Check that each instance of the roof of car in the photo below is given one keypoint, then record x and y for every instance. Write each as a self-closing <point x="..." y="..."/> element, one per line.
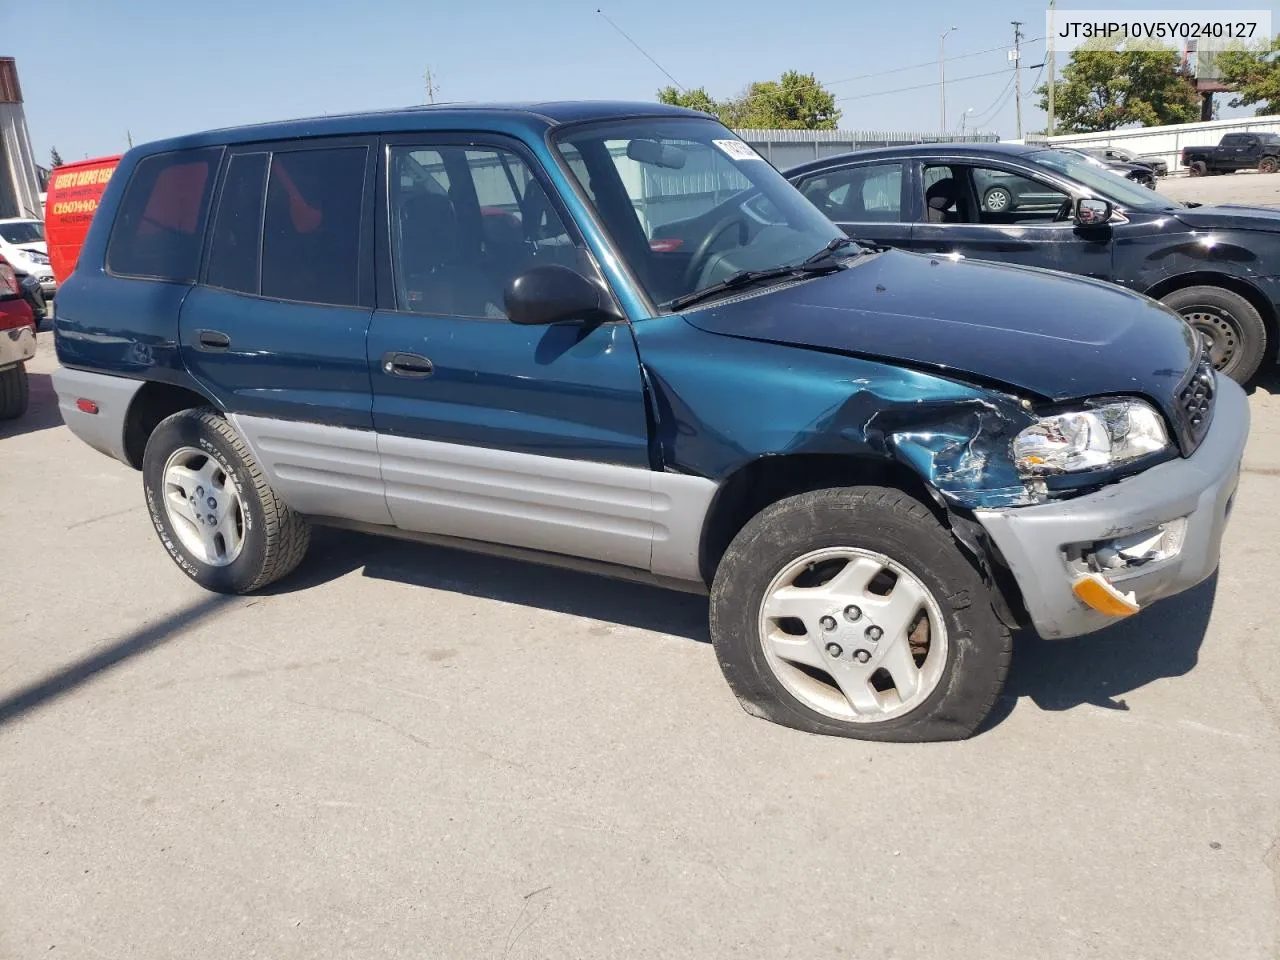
<point x="441" y="116"/>
<point x="925" y="150"/>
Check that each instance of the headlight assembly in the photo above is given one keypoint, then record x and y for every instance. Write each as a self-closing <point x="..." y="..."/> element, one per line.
<point x="1106" y="434"/>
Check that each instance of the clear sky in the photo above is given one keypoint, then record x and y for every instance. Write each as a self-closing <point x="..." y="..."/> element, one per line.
<point x="91" y="70"/>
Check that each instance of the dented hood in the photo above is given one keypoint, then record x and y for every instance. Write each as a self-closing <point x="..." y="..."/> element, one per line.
<point x="1033" y="330"/>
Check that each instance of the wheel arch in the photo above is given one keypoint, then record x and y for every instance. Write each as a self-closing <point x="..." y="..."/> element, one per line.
<point x="1207" y="278"/>
<point x="768" y="479"/>
<point x="150" y="405"/>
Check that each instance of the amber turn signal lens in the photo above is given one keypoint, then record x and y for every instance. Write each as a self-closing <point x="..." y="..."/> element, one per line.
<point x="1094" y="590"/>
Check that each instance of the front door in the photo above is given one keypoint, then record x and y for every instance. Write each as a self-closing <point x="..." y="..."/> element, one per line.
<point x="530" y="436"/>
<point x="865" y="200"/>
<point x="990" y="211"/>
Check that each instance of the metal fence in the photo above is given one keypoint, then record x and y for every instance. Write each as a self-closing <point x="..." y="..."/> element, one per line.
<point x="1166" y="143"/>
<point x="787" y="148"/>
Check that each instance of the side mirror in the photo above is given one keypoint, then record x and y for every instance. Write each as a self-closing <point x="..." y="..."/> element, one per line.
<point x="552" y="294"/>
<point x="1091" y="212"/>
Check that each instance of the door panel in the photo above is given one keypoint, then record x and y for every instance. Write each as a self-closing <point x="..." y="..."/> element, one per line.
<point x="532" y="436"/>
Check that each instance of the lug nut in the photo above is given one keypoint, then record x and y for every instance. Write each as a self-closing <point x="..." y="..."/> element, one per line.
<point x="213" y="504"/>
<point x="213" y="521"/>
<point x="199" y="491"/>
<point x="874" y="633"/>
<point x="862" y="656"/>
<point x="834" y="649"/>
<point x="827" y="623"/>
<point x="852" y="614"/>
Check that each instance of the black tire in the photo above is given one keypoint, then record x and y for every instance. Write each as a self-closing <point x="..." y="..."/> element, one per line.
<point x="14" y="392"/>
<point x="1001" y="205"/>
<point x="1197" y="168"/>
<point x="1268" y="165"/>
<point x="275" y="538"/>
<point x="888" y="522"/>
<point x="1239" y="326"/>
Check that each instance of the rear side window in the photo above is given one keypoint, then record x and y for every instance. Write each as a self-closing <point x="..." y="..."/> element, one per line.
<point x="160" y="223"/>
<point x="237" y="227"/>
<point x="311" y="232"/>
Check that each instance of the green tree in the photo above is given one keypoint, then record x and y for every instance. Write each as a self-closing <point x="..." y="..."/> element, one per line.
<point x="1102" y="89"/>
<point x="55" y="158"/>
<point x="1254" y="75"/>
<point x="696" y="99"/>
<point x="795" y="101"/>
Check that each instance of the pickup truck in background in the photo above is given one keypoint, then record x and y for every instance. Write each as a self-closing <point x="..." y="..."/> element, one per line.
<point x="1236" y="151"/>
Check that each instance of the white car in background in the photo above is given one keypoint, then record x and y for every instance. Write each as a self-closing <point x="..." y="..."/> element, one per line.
<point x="22" y="244"/>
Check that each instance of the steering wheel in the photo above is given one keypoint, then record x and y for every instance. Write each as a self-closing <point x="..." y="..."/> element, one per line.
<point x="1066" y="210"/>
<point x="703" y="252"/>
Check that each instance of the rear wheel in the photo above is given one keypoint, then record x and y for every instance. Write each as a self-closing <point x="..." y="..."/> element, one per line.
<point x="852" y="612"/>
<point x="1197" y="168"/>
<point x="1230" y="325"/>
<point x="213" y="509"/>
<point x="14" y="392"/>
<point x="1268" y="165"/>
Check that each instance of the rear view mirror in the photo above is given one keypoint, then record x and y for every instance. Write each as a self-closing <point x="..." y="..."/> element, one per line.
<point x="1091" y="212"/>
<point x="554" y="293"/>
<point x="655" y="153"/>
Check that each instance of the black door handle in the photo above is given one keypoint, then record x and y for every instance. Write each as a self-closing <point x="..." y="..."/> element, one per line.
<point x="213" y="340"/>
<point x="406" y="365"/>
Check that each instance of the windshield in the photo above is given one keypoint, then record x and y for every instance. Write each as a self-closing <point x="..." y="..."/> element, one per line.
<point x="22" y="231"/>
<point x="1112" y="186"/>
<point x="688" y="204"/>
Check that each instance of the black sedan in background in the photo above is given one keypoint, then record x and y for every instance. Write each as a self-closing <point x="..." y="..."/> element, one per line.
<point x="1217" y="266"/>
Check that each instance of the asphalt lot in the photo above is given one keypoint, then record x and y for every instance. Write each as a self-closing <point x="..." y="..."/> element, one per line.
<point x="407" y="752"/>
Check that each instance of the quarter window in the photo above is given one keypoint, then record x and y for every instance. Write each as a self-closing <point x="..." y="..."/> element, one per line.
<point x="465" y="221"/>
<point x="311" y="230"/>
<point x="159" y="227"/>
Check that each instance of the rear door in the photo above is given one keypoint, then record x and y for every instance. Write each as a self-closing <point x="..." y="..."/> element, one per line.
<point x="993" y="210"/>
<point x="866" y="200"/>
<point x="276" y="328"/>
<point x="535" y="437"/>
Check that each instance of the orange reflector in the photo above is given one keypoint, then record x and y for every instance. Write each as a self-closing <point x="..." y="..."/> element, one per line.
<point x="1094" y="590"/>
<point x="88" y="406"/>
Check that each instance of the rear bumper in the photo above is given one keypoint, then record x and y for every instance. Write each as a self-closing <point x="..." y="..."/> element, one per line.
<point x="17" y="344"/>
<point x="104" y="430"/>
<point x="1200" y="488"/>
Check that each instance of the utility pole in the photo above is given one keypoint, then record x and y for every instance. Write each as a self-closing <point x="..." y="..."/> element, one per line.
<point x="942" y="81"/>
<point x="1052" y="66"/>
<point x="1017" y="72"/>
<point x="431" y="86"/>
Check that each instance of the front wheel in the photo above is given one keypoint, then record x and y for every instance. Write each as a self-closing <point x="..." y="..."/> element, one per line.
<point x="1231" y="326"/>
<point x="213" y="509"/>
<point x="997" y="200"/>
<point x="852" y="612"/>
<point x="1268" y="165"/>
<point x="1197" y="168"/>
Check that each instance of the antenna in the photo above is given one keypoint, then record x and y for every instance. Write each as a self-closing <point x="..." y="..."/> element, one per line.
<point x="679" y="85"/>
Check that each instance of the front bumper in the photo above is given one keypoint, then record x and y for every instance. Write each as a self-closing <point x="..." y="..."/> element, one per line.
<point x="16" y="345"/>
<point x="1033" y="540"/>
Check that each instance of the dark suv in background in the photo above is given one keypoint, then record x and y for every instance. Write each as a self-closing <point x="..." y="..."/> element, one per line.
<point x="475" y="326"/>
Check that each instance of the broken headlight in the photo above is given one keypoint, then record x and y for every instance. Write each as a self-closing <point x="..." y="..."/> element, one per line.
<point x="1106" y="434"/>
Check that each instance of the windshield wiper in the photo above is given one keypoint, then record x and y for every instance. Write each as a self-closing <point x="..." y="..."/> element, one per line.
<point x="832" y="245"/>
<point x="745" y="278"/>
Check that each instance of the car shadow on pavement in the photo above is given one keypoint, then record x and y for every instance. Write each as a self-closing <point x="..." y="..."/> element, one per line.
<point x="1100" y="668"/>
<point x="42" y="410"/>
<point x="1266" y="379"/>
<point x="336" y="552"/>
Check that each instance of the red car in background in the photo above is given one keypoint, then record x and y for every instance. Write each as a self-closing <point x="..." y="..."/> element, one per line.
<point x="17" y="344"/>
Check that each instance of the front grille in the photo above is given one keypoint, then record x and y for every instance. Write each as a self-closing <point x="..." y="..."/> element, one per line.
<point x="1195" y="403"/>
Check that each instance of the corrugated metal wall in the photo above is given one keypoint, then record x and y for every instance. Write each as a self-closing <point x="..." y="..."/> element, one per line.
<point x="19" y="191"/>
<point x="788" y="148"/>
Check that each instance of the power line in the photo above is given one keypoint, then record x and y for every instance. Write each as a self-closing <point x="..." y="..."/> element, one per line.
<point x="927" y="63"/>
<point x="991" y="110"/>
<point x="679" y="85"/>
<point x="918" y="86"/>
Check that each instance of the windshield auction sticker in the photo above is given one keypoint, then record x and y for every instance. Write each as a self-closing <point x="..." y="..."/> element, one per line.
<point x="1180" y="30"/>
<point x="737" y="150"/>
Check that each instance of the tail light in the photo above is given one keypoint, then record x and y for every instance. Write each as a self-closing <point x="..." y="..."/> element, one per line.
<point x="8" y="281"/>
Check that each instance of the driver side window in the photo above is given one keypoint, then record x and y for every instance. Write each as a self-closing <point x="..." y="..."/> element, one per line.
<point x="957" y="193"/>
